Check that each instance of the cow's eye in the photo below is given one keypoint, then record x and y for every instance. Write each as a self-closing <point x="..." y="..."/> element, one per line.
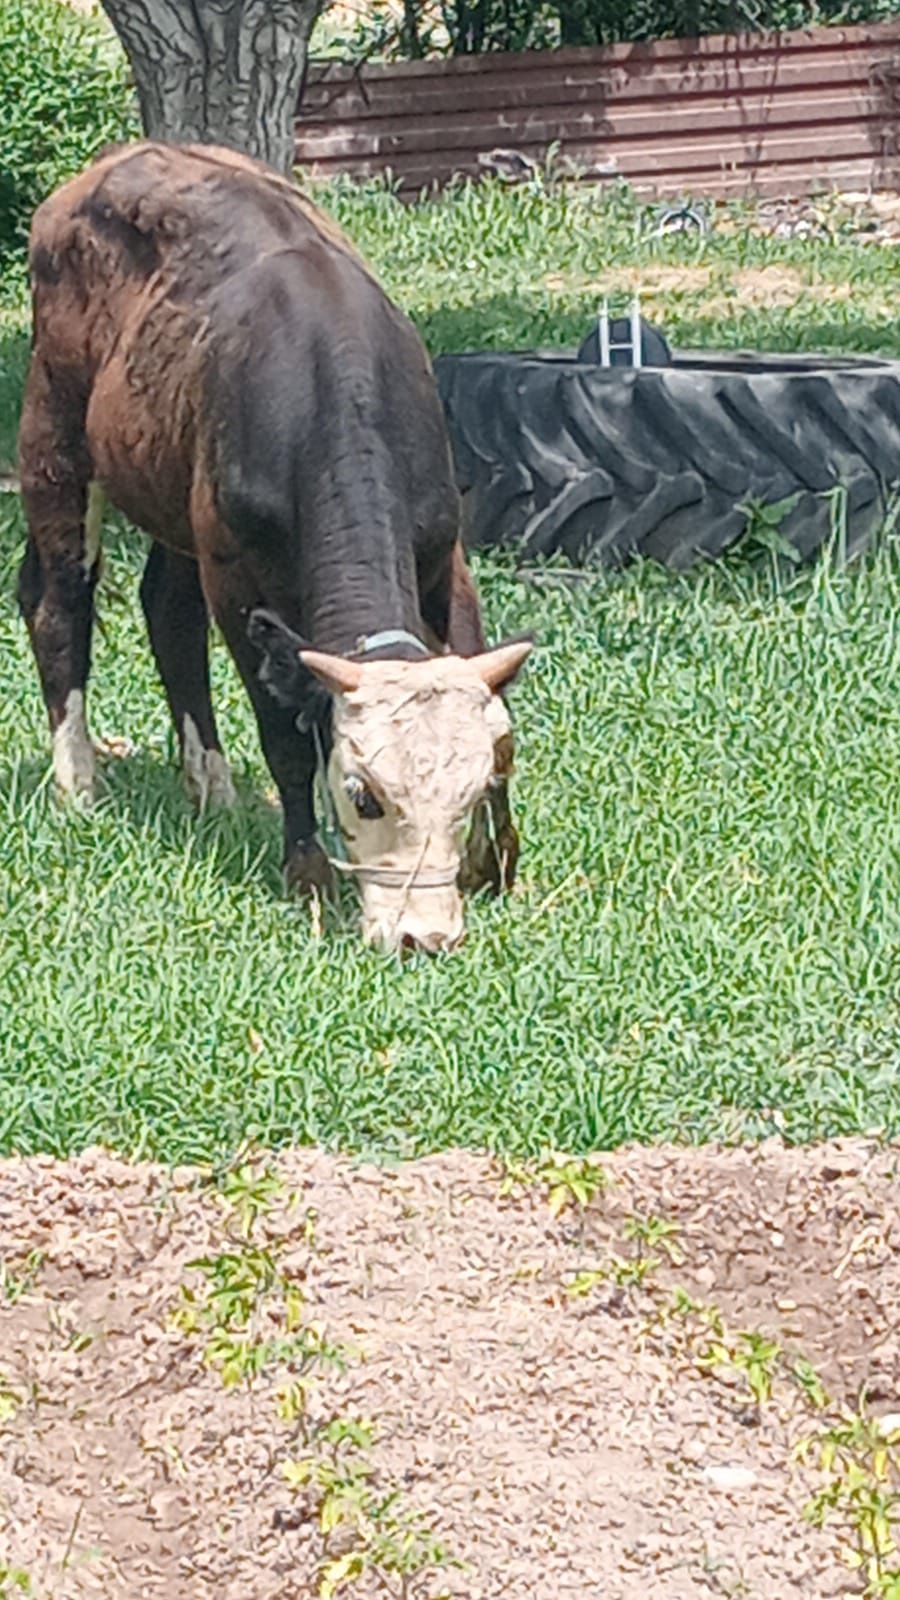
<point x="363" y="799"/>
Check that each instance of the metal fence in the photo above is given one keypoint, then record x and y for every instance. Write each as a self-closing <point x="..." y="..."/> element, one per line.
<point x="739" y="114"/>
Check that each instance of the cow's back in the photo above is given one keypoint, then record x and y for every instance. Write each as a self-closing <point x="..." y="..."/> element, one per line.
<point x="212" y="312"/>
<point x="182" y="217"/>
<point x="128" y="261"/>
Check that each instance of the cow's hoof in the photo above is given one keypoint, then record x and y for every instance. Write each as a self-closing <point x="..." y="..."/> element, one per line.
<point x="207" y="781"/>
<point x="307" y="869"/>
<point x="207" y="778"/>
<point x="78" y="797"/>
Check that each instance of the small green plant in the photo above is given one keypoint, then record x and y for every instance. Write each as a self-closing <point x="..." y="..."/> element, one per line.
<point x="860" y="1460"/>
<point x="748" y="1357"/>
<point x="808" y="1381"/>
<point x="752" y="1357"/>
<point x="13" y="1581"/>
<point x="683" y="1308"/>
<point x="10" y="1399"/>
<point x="377" y="1536"/>
<point x="567" y="1180"/>
<point x="656" y="1233"/>
<point x="236" y="1282"/>
<point x="250" y="1191"/>
<point x="626" y="1272"/>
<point x="249" y="1315"/>
<point x="763" y="528"/>
<point x="645" y="1234"/>
<point x="15" y="1283"/>
<point x="247" y="1310"/>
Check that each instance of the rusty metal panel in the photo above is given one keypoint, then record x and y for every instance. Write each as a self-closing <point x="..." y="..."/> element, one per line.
<point x="719" y="115"/>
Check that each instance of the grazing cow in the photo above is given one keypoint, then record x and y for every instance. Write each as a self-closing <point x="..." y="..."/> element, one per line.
<point x="211" y="354"/>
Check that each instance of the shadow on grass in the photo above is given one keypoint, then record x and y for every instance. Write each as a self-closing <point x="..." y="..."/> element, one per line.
<point x="146" y="793"/>
<point x="535" y="321"/>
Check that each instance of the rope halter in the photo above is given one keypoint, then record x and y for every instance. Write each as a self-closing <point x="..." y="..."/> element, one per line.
<point x="396" y="877"/>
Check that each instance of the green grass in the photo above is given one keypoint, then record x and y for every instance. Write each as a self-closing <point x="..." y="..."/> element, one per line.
<point x="705" y="942"/>
<point x="706" y="938"/>
<point x="490" y="266"/>
<point x="14" y="348"/>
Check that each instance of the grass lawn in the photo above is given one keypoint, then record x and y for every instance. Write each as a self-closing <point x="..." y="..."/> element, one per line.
<point x="705" y="940"/>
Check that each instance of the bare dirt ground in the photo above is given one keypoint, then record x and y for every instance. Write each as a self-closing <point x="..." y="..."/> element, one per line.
<point x="562" y="1446"/>
<point x="760" y="287"/>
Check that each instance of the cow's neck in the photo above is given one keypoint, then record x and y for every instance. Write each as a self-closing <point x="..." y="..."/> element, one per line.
<point x="360" y="590"/>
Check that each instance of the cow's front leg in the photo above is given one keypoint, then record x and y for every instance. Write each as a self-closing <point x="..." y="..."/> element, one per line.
<point x="290" y="753"/>
<point x="451" y="610"/>
<point x="291" y="757"/>
<point x="59" y="571"/>
<point x="504" y="835"/>
<point x="491" y="853"/>
<point x="178" y="625"/>
<point x="505" y="839"/>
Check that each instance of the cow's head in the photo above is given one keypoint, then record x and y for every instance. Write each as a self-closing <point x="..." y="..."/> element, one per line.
<point x="413" y="750"/>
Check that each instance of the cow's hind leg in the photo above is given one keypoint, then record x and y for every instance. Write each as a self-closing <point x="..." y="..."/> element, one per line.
<point x="178" y="624"/>
<point x="59" y="571"/>
<point x="451" y="610"/>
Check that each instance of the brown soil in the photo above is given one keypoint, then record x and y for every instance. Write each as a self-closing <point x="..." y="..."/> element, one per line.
<point x="651" y="281"/>
<point x="774" y="286"/>
<point x="759" y="287"/>
<point x="561" y="1449"/>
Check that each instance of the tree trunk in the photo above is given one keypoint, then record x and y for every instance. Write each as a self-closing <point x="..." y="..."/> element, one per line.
<point x="411" y="31"/>
<point x="219" y="71"/>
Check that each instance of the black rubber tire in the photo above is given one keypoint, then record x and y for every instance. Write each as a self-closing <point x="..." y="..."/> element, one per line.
<point x="552" y="454"/>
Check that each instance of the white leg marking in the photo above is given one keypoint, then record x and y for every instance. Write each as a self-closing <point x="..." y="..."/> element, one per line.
<point x="73" y="754"/>
<point x="218" y="774"/>
<point x="206" y="775"/>
<point x="93" y="525"/>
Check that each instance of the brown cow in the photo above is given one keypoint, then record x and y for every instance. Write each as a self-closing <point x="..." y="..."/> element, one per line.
<point x="211" y="353"/>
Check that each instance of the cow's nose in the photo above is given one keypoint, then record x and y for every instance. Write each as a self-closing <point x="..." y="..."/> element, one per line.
<point x="432" y="943"/>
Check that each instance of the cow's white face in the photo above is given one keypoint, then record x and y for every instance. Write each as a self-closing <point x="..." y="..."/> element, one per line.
<point x="413" y="752"/>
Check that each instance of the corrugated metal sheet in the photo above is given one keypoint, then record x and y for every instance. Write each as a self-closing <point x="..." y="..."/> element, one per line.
<point x="775" y="114"/>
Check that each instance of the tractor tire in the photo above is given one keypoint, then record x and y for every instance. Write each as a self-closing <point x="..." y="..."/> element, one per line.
<point x="553" y="453"/>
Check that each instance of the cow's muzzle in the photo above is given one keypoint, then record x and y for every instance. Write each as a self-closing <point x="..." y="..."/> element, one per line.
<point x="409" y="908"/>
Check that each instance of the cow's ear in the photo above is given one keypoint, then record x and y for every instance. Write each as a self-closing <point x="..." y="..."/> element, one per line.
<point x="281" y="670"/>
